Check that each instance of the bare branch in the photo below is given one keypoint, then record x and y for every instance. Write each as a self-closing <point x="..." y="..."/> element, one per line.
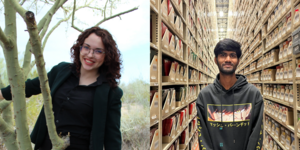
<point x="1" y="83"/>
<point x="65" y="10"/>
<point x="111" y="7"/>
<point x="105" y="8"/>
<point x="27" y="70"/>
<point x="58" y="23"/>
<point x="4" y="104"/>
<point x="43" y="24"/>
<point x="27" y="57"/>
<point x="117" y="15"/>
<point x="45" y="28"/>
<point x="7" y="114"/>
<point x="17" y="80"/>
<point x="52" y="11"/>
<point x="94" y="8"/>
<point x="53" y="28"/>
<point x="32" y="64"/>
<point x="8" y="134"/>
<point x="22" y="2"/>
<point x="3" y="38"/>
<point x="21" y="11"/>
<point x="56" y="141"/>
<point x="73" y="14"/>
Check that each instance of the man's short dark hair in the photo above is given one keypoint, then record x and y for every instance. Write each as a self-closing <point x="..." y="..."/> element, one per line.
<point x="228" y="45"/>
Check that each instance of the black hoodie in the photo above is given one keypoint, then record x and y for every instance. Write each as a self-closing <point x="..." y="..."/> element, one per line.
<point x="241" y="130"/>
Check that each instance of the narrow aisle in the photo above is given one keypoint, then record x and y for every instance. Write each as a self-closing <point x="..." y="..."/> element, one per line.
<point x="181" y="64"/>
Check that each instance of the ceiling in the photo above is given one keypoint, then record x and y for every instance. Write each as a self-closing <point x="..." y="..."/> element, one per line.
<point x="222" y="7"/>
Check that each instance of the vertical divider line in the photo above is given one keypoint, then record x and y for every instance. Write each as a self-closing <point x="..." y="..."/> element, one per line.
<point x="159" y="74"/>
<point x="294" y="84"/>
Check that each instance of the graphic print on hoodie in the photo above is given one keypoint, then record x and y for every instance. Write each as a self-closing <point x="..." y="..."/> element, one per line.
<point x="230" y="119"/>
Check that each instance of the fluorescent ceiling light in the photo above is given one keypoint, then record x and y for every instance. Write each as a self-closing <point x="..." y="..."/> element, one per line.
<point x="221" y="13"/>
<point x="221" y="29"/>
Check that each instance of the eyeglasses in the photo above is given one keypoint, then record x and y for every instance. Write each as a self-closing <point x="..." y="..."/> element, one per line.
<point x="224" y="56"/>
<point x="86" y="50"/>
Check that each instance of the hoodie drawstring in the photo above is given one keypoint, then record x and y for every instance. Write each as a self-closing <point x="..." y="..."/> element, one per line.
<point x="233" y="114"/>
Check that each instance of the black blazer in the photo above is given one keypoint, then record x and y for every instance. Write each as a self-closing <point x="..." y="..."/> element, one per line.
<point x="106" y="110"/>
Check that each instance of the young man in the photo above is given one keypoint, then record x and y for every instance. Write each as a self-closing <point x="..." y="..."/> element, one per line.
<point x="230" y="111"/>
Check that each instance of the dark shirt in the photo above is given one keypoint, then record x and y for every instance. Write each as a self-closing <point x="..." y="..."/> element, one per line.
<point x="73" y="109"/>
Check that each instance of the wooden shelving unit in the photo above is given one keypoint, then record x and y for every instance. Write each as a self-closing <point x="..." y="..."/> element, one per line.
<point x="195" y="21"/>
<point x="245" y="38"/>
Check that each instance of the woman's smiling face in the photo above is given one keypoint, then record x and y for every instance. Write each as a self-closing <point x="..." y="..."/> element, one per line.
<point x="91" y="61"/>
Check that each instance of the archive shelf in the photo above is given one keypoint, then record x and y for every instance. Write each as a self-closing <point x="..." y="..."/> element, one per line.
<point x="270" y="13"/>
<point x="289" y="127"/>
<point x="279" y="62"/>
<point x="153" y="46"/>
<point x="278" y="142"/>
<point x="276" y="44"/>
<point x="279" y="82"/>
<point x="279" y="101"/>
<point x="166" y="146"/>
<point x="202" y="50"/>
<point x="277" y="22"/>
<point x="243" y="38"/>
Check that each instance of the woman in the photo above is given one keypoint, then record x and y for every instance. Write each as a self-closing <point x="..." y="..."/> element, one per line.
<point x="85" y="95"/>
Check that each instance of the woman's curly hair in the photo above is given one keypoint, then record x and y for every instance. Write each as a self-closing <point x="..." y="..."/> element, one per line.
<point x="112" y="62"/>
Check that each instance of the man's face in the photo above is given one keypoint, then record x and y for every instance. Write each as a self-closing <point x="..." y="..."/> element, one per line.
<point x="227" y="62"/>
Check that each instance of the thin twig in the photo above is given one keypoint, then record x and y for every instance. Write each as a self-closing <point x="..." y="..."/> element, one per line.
<point x="3" y="38"/>
<point x="73" y="14"/>
<point x="22" y="2"/>
<point x="105" y="8"/>
<point x="53" y="28"/>
<point x="117" y="15"/>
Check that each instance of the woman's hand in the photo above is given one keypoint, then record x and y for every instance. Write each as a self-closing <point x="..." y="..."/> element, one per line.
<point x="1" y="97"/>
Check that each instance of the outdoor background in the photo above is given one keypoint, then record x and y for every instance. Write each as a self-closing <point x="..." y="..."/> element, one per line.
<point x="131" y="33"/>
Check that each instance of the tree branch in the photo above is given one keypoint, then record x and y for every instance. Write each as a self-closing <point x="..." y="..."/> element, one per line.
<point x="3" y="38"/>
<point x="16" y="78"/>
<point x="94" y="8"/>
<point x="1" y="83"/>
<point x="7" y="113"/>
<point x="105" y="9"/>
<point x="22" y="2"/>
<point x="27" y="70"/>
<point x="45" y="28"/>
<point x="57" y="142"/>
<point x="53" y="28"/>
<point x="58" y="23"/>
<point x="73" y="14"/>
<point x="27" y="58"/>
<point x="3" y="105"/>
<point x="43" y="24"/>
<point x="117" y="15"/>
<point x="35" y="42"/>
<point x="8" y="135"/>
<point x="5" y="108"/>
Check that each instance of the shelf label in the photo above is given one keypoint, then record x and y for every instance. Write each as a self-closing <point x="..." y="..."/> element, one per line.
<point x="154" y="67"/>
<point x="153" y="77"/>
<point x="153" y="117"/>
<point x="156" y="144"/>
<point x="291" y="98"/>
<point x="298" y="72"/>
